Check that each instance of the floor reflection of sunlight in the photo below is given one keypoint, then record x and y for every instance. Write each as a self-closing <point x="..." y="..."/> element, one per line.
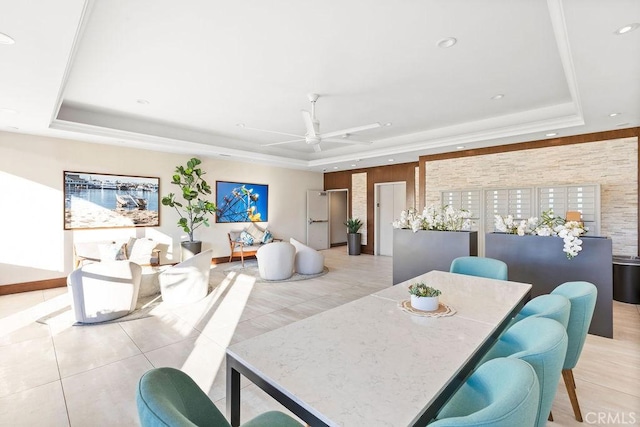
<point x="222" y="314"/>
<point x="25" y="317"/>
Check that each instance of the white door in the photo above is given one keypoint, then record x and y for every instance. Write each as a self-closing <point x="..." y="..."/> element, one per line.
<point x="317" y="219"/>
<point x="391" y="200"/>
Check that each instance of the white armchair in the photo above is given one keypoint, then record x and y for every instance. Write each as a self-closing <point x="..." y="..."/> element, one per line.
<point x="188" y="281"/>
<point x="275" y="260"/>
<point x="308" y="260"/>
<point x="104" y="291"/>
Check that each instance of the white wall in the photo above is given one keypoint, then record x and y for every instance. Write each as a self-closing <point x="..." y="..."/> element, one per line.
<point x="34" y="246"/>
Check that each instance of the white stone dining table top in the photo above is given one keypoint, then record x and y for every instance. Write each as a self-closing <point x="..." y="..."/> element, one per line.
<point x="370" y="363"/>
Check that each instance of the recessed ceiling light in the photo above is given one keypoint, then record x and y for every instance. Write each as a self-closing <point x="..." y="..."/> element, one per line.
<point x="551" y="134"/>
<point x="391" y="160"/>
<point x="240" y="125"/>
<point x="460" y="147"/>
<point x="324" y="170"/>
<point x="5" y="39"/>
<point x="353" y="165"/>
<point x="8" y="111"/>
<point x="446" y="43"/>
<point x="498" y="96"/>
<point x="142" y="101"/>
<point x="623" y="124"/>
<point x="614" y="114"/>
<point x="335" y="167"/>
<point x="627" y="29"/>
<point x="388" y="124"/>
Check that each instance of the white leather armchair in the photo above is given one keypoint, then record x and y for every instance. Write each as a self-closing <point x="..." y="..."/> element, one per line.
<point x="276" y="260"/>
<point x="308" y="260"/>
<point x="104" y="291"/>
<point x="188" y="281"/>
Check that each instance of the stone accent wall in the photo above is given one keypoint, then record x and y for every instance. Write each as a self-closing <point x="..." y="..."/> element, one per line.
<point x="612" y="164"/>
<point x="359" y="201"/>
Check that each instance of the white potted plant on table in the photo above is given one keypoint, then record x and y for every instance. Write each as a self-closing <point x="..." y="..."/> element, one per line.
<point x="423" y="297"/>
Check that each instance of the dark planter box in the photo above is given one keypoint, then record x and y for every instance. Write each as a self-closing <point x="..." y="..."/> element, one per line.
<point x="418" y="253"/>
<point x="540" y="261"/>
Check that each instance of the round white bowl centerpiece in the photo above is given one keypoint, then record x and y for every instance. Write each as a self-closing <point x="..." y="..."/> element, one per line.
<point x="423" y="297"/>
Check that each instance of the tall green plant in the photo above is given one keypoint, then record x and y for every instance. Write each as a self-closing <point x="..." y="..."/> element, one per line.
<point x="353" y="225"/>
<point x="193" y="213"/>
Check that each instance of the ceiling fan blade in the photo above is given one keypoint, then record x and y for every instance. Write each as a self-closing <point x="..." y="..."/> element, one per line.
<point x="282" y="142"/>
<point x="350" y="130"/>
<point x="308" y="122"/>
<point x="316" y="148"/>
<point x="272" y="131"/>
<point x="346" y="141"/>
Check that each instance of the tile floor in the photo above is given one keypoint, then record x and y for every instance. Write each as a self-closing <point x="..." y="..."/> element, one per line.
<point x="61" y="375"/>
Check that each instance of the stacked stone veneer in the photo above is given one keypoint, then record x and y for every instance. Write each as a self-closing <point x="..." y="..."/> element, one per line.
<point x="612" y="164"/>
<point x="359" y="201"/>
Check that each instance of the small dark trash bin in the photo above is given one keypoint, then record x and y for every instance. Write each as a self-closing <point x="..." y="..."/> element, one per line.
<point x="626" y="279"/>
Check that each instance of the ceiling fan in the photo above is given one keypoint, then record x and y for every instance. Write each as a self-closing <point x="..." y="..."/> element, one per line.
<point x="313" y="136"/>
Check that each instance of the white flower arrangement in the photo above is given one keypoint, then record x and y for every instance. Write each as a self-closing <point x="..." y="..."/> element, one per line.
<point x="441" y="218"/>
<point x="550" y="225"/>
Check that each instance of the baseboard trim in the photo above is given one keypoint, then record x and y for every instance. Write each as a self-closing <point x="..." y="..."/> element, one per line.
<point x="335" y="245"/>
<point x="38" y="285"/>
<point x="223" y="259"/>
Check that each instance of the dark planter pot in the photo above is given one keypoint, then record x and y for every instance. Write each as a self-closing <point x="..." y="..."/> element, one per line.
<point x="418" y="253"/>
<point x="354" y="243"/>
<point x="539" y="260"/>
<point x="190" y="249"/>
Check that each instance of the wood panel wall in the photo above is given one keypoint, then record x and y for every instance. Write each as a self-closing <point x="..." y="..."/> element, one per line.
<point x="375" y="175"/>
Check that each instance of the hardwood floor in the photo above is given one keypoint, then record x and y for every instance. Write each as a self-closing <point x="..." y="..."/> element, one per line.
<point x="60" y="375"/>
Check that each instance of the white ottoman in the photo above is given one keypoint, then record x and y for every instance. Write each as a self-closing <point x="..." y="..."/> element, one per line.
<point x="276" y="260"/>
<point x="308" y="260"/>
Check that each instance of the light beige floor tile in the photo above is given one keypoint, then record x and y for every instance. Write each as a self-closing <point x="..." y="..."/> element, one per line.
<point x="39" y="406"/>
<point x="201" y="358"/>
<point x="55" y="292"/>
<point x="155" y="332"/>
<point x="27" y="364"/>
<point x="19" y="331"/>
<point x="81" y="348"/>
<point x="105" y="396"/>
<point x="14" y="303"/>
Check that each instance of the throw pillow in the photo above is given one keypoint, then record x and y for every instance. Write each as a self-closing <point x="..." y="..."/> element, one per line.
<point x="267" y="238"/>
<point x="255" y="231"/>
<point x="111" y="252"/>
<point x="141" y="250"/>
<point x="246" y="238"/>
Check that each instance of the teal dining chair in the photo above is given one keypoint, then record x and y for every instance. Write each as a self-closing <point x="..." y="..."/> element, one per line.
<point x="556" y="307"/>
<point x="582" y="296"/>
<point x="481" y="267"/>
<point x="500" y="393"/>
<point x="543" y="344"/>
<point x="169" y="397"/>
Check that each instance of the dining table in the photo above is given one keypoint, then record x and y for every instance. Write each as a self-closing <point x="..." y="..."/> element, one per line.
<point x="375" y="361"/>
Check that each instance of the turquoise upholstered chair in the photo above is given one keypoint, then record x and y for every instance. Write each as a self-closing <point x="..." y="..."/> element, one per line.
<point x="500" y="393"/>
<point x="582" y="296"/>
<point x="169" y="397"/>
<point x="554" y="307"/>
<point x="481" y="267"/>
<point x="543" y="344"/>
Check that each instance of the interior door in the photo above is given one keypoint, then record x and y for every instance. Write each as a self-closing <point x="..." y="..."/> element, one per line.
<point x="391" y="201"/>
<point x="317" y="219"/>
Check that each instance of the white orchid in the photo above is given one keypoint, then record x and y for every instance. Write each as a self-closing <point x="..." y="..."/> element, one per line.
<point x="445" y="218"/>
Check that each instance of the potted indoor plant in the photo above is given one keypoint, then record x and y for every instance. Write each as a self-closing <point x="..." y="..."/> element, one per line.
<point x="423" y="297"/>
<point x="194" y="210"/>
<point x="354" y="239"/>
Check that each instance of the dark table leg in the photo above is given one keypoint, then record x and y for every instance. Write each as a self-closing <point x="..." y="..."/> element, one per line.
<point x="233" y="393"/>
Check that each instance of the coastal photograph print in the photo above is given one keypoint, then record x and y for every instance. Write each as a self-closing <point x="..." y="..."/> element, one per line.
<point x="93" y="200"/>
<point x="241" y="202"/>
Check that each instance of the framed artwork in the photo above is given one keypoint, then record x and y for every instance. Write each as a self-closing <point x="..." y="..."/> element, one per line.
<point x="94" y="200"/>
<point x="241" y="202"/>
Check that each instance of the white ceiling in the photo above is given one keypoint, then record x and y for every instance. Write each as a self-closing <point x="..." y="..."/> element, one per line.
<point x="78" y="68"/>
